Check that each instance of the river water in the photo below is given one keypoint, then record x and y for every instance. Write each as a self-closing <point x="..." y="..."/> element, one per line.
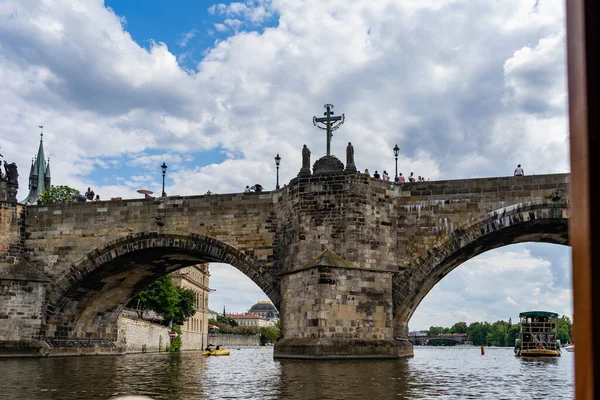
<point x="251" y="373"/>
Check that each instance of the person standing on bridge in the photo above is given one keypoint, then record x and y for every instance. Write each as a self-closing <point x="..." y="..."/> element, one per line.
<point x="519" y="171"/>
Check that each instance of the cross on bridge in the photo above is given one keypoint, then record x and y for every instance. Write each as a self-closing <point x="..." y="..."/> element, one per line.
<point x="330" y="124"/>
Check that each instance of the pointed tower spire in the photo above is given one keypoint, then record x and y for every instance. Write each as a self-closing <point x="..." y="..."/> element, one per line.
<point x="38" y="175"/>
<point x="31" y="172"/>
<point x="47" y="174"/>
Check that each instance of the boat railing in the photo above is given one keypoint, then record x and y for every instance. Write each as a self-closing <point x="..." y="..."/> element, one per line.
<point x="538" y="327"/>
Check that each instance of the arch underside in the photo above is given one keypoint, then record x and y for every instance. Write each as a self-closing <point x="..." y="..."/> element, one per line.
<point x="86" y="301"/>
<point x="541" y="224"/>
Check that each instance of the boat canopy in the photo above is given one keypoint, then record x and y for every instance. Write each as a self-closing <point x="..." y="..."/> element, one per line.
<point x="538" y="314"/>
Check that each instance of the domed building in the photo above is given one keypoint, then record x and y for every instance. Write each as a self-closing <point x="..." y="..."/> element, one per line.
<point x="264" y="309"/>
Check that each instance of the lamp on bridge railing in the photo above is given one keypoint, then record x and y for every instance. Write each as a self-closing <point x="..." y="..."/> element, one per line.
<point x="396" y="152"/>
<point x="277" y="161"/>
<point x="164" y="172"/>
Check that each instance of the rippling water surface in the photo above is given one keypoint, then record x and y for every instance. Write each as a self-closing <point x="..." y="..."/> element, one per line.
<point x="251" y="373"/>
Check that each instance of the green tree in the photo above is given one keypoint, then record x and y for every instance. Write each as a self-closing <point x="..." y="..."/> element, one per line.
<point x="459" y="327"/>
<point x="563" y="329"/>
<point x="175" y="344"/>
<point x="514" y="332"/>
<point x="435" y="330"/>
<point x="499" y="331"/>
<point x="169" y="301"/>
<point x="226" y="320"/>
<point x="269" y="334"/>
<point x="477" y="333"/>
<point x="185" y="307"/>
<point x="59" y="194"/>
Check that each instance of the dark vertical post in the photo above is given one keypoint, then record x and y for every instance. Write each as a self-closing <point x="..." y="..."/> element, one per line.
<point x="277" y="161"/>
<point x="396" y="152"/>
<point x="583" y="32"/>
<point x="328" y="114"/>
<point x="164" y="172"/>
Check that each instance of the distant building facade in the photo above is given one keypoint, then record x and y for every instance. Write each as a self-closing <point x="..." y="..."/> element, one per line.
<point x="250" y="320"/>
<point x="264" y="309"/>
<point x="195" y="330"/>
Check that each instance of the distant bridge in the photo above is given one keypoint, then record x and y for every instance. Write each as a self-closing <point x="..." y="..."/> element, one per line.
<point x="459" y="338"/>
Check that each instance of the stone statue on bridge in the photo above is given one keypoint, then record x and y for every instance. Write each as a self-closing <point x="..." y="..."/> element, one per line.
<point x="350" y="166"/>
<point x="305" y="170"/>
<point x="11" y="182"/>
<point x="12" y="176"/>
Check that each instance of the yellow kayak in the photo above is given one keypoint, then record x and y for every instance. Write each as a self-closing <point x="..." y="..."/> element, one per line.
<point x="220" y="352"/>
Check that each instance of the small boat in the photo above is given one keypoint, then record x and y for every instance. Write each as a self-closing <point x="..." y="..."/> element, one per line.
<point x="538" y="335"/>
<point x="569" y="347"/>
<point x="216" y="352"/>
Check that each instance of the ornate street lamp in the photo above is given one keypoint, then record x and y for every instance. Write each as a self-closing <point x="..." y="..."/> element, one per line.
<point x="277" y="161"/>
<point x="396" y="151"/>
<point x="164" y="172"/>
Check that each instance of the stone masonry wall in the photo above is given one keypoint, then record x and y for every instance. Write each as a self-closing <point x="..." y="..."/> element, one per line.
<point x="349" y="214"/>
<point x="11" y="232"/>
<point x="233" y="340"/>
<point x="374" y="225"/>
<point x="134" y="334"/>
<point x="59" y="236"/>
<point x="3" y="190"/>
<point x="193" y="340"/>
<point x="428" y="212"/>
<point x="20" y="309"/>
<point x="337" y="303"/>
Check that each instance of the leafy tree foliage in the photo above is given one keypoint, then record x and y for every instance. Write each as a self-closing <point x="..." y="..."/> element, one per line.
<point x="225" y="327"/>
<point x="500" y="333"/>
<point x="226" y="320"/>
<point x="59" y="194"/>
<point x="169" y="301"/>
<point x="564" y="329"/>
<point x="436" y="330"/>
<point x="459" y="327"/>
<point x="175" y="344"/>
<point x="269" y="334"/>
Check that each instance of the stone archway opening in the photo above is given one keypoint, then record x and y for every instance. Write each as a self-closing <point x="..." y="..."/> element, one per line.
<point x="498" y="285"/>
<point x="85" y="302"/>
<point x="528" y="222"/>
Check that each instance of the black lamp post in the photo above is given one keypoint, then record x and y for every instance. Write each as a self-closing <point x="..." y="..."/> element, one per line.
<point x="164" y="172"/>
<point x="396" y="151"/>
<point x="277" y="161"/>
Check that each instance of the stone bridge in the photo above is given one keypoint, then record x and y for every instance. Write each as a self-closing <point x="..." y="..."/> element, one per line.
<point x="459" y="338"/>
<point x="344" y="257"/>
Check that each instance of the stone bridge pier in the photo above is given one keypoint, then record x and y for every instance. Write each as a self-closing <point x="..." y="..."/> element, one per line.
<point x="338" y="249"/>
<point x="345" y="258"/>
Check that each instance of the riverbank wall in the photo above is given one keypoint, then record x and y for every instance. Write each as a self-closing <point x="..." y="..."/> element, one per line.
<point x="193" y="340"/>
<point x="233" y="340"/>
<point x="139" y="336"/>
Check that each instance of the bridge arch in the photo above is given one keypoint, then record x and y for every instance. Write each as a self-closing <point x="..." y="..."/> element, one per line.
<point x="532" y="221"/>
<point x="85" y="301"/>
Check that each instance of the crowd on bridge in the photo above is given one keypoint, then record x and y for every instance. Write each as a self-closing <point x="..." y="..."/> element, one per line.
<point x="399" y="178"/>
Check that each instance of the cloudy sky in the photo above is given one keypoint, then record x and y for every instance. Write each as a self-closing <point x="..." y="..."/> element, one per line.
<point x="215" y="90"/>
